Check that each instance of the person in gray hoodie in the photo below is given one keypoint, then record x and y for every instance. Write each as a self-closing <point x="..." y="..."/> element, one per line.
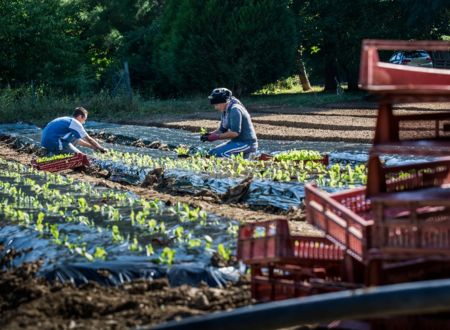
<point x="235" y="126"/>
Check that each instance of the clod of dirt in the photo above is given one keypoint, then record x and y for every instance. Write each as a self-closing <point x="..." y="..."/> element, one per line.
<point x="10" y="255"/>
<point x="237" y="193"/>
<point x="218" y="260"/>
<point x="155" y="176"/>
<point x="200" y="301"/>
<point x="138" y="143"/>
<point x="96" y="171"/>
<point x="158" y="145"/>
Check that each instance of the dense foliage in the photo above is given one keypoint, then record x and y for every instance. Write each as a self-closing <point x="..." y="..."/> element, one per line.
<point x="240" y="44"/>
<point x="332" y="30"/>
<point x="185" y="47"/>
<point x="38" y="41"/>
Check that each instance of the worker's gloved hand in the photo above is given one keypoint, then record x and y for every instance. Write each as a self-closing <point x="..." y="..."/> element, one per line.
<point x="103" y="150"/>
<point x="209" y="137"/>
<point x="204" y="137"/>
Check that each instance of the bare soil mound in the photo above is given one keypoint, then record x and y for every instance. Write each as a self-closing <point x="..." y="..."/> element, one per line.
<point x="27" y="301"/>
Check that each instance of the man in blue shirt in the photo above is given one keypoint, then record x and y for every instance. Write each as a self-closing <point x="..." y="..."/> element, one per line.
<point x="235" y="124"/>
<point x="60" y="135"/>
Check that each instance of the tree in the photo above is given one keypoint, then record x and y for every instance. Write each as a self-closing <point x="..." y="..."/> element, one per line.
<point x="76" y="45"/>
<point x="332" y="31"/>
<point x="239" y="44"/>
<point x="35" y="42"/>
<point x="116" y="31"/>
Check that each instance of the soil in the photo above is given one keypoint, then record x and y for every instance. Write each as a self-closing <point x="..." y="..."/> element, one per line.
<point x="27" y="301"/>
<point x="345" y="122"/>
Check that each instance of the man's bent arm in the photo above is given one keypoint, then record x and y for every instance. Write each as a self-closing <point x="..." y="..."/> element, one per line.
<point x="89" y="142"/>
<point x="83" y="143"/>
<point x="228" y="135"/>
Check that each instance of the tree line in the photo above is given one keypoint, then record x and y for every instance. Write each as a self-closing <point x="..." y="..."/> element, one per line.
<point x="184" y="47"/>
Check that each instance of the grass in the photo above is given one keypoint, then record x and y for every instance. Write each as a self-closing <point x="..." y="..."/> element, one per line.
<point x="303" y="99"/>
<point x="21" y="105"/>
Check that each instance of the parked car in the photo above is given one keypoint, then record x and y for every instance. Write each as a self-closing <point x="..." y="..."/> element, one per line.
<point x="414" y="58"/>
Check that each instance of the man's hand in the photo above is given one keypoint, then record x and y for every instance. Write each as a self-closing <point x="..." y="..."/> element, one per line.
<point x="103" y="150"/>
<point x="209" y="137"/>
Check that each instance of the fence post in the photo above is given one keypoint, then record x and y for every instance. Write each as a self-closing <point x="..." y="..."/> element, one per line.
<point x="127" y="80"/>
<point x="33" y="95"/>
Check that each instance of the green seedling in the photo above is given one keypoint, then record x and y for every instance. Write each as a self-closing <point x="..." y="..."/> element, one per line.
<point x="194" y="243"/>
<point x="135" y="245"/>
<point x="82" y="205"/>
<point x="167" y="256"/>
<point x="116" y="236"/>
<point x="39" y="226"/>
<point x="100" y="253"/>
<point x="223" y="252"/>
<point x="152" y="224"/>
<point x="149" y="250"/>
<point x="182" y="151"/>
<point x="179" y="232"/>
<point x="55" y="233"/>
<point x="208" y="241"/>
<point x="53" y="158"/>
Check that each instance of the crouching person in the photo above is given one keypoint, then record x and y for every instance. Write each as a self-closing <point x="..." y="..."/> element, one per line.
<point x="61" y="134"/>
<point x="235" y="126"/>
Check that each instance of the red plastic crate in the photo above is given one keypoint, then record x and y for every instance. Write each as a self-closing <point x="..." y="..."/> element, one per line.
<point x="262" y="241"/>
<point x="384" y="242"/>
<point x="402" y="82"/>
<point x="345" y="217"/>
<point x="270" y="241"/>
<point x="285" y="266"/>
<point x="407" y="177"/>
<point x="77" y="160"/>
<point x="284" y="283"/>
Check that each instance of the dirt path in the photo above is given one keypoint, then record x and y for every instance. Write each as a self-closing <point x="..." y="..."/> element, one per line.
<point x="346" y="122"/>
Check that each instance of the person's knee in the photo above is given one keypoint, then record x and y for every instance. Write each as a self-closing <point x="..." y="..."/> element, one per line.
<point x="228" y="154"/>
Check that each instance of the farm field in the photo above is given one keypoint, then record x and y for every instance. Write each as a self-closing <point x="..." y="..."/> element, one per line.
<point x="148" y="235"/>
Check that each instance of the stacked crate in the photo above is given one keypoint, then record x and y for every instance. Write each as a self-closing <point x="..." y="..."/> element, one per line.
<point x="397" y="228"/>
<point x="285" y="266"/>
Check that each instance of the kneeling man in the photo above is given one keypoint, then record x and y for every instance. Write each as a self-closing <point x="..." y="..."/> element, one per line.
<point x="60" y="135"/>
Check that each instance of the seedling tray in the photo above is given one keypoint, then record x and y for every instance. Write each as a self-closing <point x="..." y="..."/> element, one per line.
<point x="77" y="160"/>
<point x="324" y="160"/>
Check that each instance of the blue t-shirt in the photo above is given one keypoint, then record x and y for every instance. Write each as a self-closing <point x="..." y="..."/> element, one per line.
<point x="237" y="119"/>
<point x="61" y="131"/>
